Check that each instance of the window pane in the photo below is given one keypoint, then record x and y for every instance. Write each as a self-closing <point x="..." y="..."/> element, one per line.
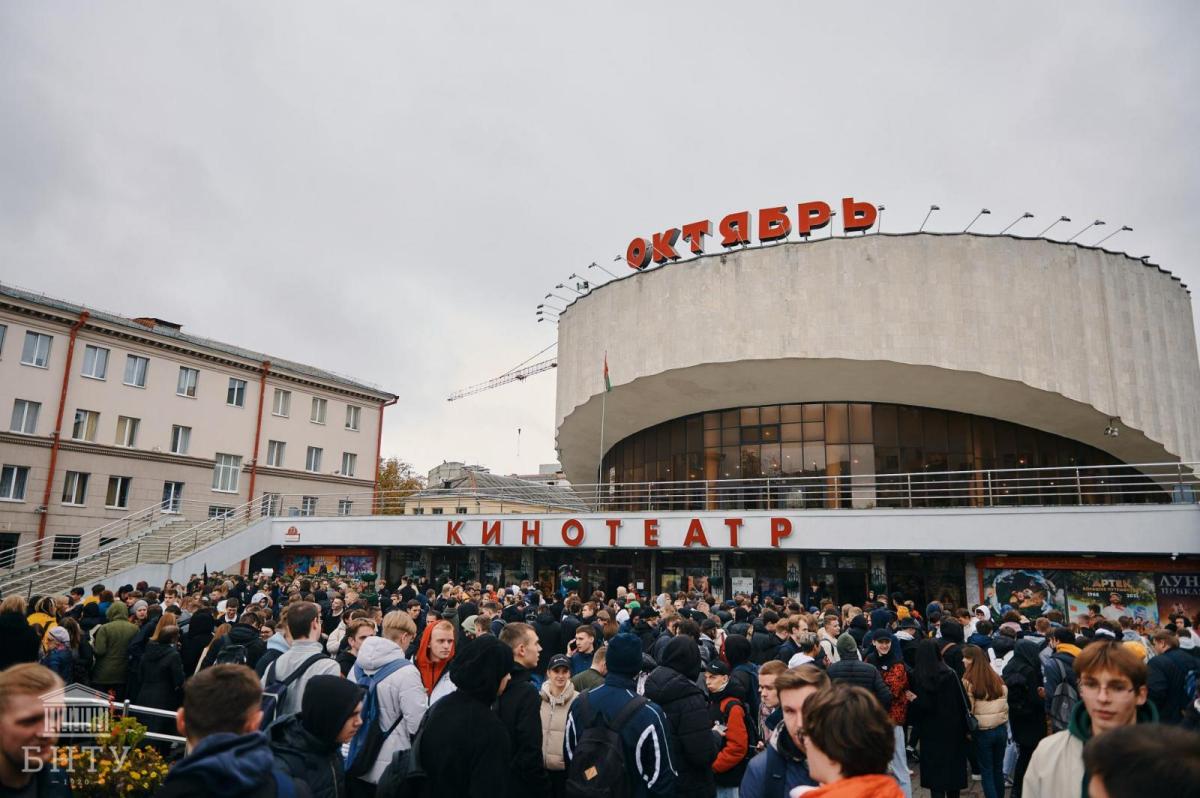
<point x="791" y="432"/>
<point x="909" y="422"/>
<point x="135" y="370"/>
<point x="837" y="426"/>
<point x="95" y="361"/>
<point x="790" y="414"/>
<point x="36" y="351"/>
<point x="885" y="425"/>
<point x="749" y="416"/>
<point x="814" y="412"/>
<point x="860" y="424"/>
<point x="769" y="415"/>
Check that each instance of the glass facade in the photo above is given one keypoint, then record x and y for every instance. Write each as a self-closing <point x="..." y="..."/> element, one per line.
<point x="822" y="455"/>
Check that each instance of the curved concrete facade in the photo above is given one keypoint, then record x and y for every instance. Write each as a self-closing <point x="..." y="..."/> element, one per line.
<point x="1054" y="336"/>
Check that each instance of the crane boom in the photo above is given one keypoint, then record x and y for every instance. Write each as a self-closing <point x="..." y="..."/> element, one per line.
<point x="517" y="375"/>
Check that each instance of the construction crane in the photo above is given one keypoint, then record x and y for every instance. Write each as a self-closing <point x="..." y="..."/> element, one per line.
<point x="516" y="375"/>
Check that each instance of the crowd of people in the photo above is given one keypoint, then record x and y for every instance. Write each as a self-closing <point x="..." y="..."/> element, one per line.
<point x="329" y="686"/>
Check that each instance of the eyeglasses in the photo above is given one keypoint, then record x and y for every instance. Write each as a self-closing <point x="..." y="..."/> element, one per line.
<point x="1112" y="688"/>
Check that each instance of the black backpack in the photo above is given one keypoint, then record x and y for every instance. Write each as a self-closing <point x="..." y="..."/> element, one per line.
<point x="276" y="690"/>
<point x="405" y="777"/>
<point x="597" y="768"/>
<point x="233" y="654"/>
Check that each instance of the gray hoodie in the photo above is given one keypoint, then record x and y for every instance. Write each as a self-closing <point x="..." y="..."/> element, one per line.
<point x="396" y="696"/>
<point x="292" y="659"/>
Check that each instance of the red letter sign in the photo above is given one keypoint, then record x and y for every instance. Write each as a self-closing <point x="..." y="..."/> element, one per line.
<point x="813" y="216"/>
<point x="452" y="530"/>
<point x="491" y="535"/>
<point x="735" y="229"/>
<point x="780" y="528"/>
<point x="694" y="234"/>
<point x="857" y="215"/>
<point x="613" y="525"/>
<point x="638" y="253"/>
<point x="651" y="528"/>
<point x="734" y="525"/>
<point x="695" y="534"/>
<point x="664" y="245"/>
<point x="534" y="531"/>
<point x="773" y="224"/>
<point x="577" y="537"/>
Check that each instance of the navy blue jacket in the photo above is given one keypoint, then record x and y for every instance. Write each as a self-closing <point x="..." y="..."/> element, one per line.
<point x="776" y="770"/>
<point x="647" y="742"/>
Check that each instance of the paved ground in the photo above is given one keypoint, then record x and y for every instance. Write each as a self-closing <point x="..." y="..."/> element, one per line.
<point x="974" y="788"/>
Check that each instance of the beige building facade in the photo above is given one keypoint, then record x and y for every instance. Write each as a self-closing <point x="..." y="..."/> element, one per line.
<point x="152" y="416"/>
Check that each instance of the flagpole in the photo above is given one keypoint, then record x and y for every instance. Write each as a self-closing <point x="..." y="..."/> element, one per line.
<point x="600" y="465"/>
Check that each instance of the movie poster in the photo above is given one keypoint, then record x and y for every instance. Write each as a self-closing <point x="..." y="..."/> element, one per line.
<point x="1178" y="593"/>
<point x="1119" y="593"/>
<point x="1033" y="592"/>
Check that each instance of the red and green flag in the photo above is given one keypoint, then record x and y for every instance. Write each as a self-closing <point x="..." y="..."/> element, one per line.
<point x="607" y="381"/>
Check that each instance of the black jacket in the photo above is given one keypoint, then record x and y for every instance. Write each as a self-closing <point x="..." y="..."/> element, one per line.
<point x="645" y="632"/>
<point x="160" y="679"/>
<point x="787" y="650"/>
<point x="465" y="748"/>
<point x="549" y="632"/>
<point x="860" y="674"/>
<point x="763" y="646"/>
<point x="939" y="714"/>
<point x="1167" y="680"/>
<point x="306" y="759"/>
<point x="569" y="624"/>
<point x="672" y="685"/>
<point x="228" y="765"/>
<point x="21" y="643"/>
<point x="240" y="634"/>
<point x="520" y="710"/>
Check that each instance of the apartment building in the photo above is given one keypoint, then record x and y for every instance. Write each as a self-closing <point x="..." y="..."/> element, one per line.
<point x="108" y="415"/>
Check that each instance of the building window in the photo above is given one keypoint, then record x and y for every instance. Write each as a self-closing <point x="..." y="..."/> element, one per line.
<point x="282" y="405"/>
<point x="308" y="505"/>
<point x="353" y="416"/>
<point x="37" y="350"/>
<point x="344" y="506"/>
<point x="188" y="379"/>
<point x="460" y="510"/>
<point x="66" y="547"/>
<point x="318" y="410"/>
<point x="13" y="481"/>
<point x="3" y="333"/>
<point x="86" y="422"/>
<point x="8" y="545"/>
<point x="75" y="488"/>
<point x="118" y="493"/>
<point x="135" y="370"/>
<point x="172" y="497"/>
<point x="226" y="472"/>
<point x="181" y="437"/>
<point x="275" y="453"/>
<point x="25" y="416"/>
<point x="438" y="510"/>
<point x="236" y="395"/>
<point x="418" y="511"/>
<point x="312" y="462"/>
<point x="95" y="362"/>
<point x="219" y="511"/>
<point x="271" y="504"/>
<point x="127" y="431"/>
<point x="349" y="462"/>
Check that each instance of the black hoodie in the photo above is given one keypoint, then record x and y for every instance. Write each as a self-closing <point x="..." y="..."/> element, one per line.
<point x="520" y="710"/>
<point x="240" y="634"/>
<point x="672" y="685"/>
<point x="21" y="643"/>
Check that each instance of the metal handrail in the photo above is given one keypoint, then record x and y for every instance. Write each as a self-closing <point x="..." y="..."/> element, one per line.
<point x="16" y="553"/>
<point x="124" y="707"/>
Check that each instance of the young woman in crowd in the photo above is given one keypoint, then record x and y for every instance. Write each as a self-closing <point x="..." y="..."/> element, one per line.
<point x="987" y="697"/>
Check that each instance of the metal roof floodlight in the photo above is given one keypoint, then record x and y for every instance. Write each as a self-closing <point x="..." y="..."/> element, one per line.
<point x="1021" y="218"/>
<point x="932" y="208"/>
<point x="594" y="265"/>
<point x="1056" y="221"/>
<point x="1123" y="229"/>
<point x="569" y="288"/>
<point x="1096" y="223"/>
<point x="982" y="212"/>
<point x="879" y="221"/>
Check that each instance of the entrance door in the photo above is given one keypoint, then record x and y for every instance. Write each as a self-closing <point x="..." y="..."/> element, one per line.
<point x="852" y="587"/>
<point x="617" y="576"/>
<point x="172" y="497"/>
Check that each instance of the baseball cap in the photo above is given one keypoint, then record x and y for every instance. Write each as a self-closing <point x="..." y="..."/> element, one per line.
<point x="559" y="661"/>
<point x="717" y="668"/>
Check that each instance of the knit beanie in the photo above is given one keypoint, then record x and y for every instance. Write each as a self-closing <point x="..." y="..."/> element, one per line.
<point x="624" y="654"/>
<point x="846" y="647"/>
<point x="140" y="604"/>
<point x="328" y="703"/>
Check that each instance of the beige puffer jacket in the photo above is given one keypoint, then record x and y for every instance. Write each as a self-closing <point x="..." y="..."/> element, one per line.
<point x="990" y="714"/>
<point x="554" y="724"/>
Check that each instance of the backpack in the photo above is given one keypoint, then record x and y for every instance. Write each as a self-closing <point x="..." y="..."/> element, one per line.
<point x="234" y="654"/>
<point x="753" y="699"/>
<point x="276" y="691"/>
<point x="369" y="739"/>
<point x="1066" y="696"/>
<point x="597" y="769"/>
<point x="404" y="777"/>
<point x="751" y="724"/>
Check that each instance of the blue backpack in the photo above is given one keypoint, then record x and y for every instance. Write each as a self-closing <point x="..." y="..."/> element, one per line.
<point x="368" y="740"/>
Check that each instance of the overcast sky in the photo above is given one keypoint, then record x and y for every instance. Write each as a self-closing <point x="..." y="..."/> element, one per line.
<point x="387" y="190"/>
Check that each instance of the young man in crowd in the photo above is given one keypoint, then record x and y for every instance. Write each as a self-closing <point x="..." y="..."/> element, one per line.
<point x="520" y="710"/>
<point x="1168" y="677"/>
<point x="1112" y="686"/>
<point x="1060" y="665"/>
<point x="770" y="715"/>
<point x="848" y="741"/>
<point x="1119" y="762"/>
<point x="731" y="720"/>
<point x="226" y="754"/>
<point x="306" y="656"/>
<point x="594" y="675"/>
<point x="782" y="765"/>
<point x="644" y="738"/>
<point x="827" y="638"/>
<point x="584" y="648"/>
<point x="26" y="744"/>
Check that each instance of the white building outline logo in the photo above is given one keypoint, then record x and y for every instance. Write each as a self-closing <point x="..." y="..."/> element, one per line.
<point x="76" y="711"/>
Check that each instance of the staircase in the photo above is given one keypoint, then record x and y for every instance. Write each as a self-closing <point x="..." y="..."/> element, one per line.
<point x="167" y="539"/>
